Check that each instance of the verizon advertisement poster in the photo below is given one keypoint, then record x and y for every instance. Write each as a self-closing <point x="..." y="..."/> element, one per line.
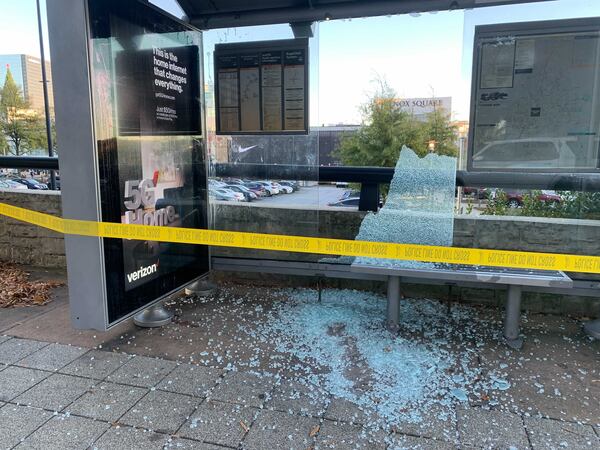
<point x="159" y="82"/>
<point x="152" y="195"/>
<point x="151" y="155"/>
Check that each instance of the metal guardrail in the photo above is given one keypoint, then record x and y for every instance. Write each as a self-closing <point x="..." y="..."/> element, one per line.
<point x="29" y="162"/>
<point x="369" y="177"/>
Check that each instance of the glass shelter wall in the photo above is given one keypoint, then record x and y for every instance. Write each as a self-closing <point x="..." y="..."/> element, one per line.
<point x="271" y="184"/>
<point x="382" y="83"/>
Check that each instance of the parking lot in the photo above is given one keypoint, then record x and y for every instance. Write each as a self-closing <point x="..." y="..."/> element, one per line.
<point x="308" y="197"/>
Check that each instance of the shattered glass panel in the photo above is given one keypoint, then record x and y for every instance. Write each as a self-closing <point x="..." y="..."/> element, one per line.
<point x="419" y="208"/>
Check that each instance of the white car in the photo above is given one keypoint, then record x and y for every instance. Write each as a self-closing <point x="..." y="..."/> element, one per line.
<point x="282" y="188"/>
<point x="216" y="183"/>
<point x="532" y="153"/>
<point x="10" y="184"/>
<point x="270" y="187"/>
<point x="229" y="194"/>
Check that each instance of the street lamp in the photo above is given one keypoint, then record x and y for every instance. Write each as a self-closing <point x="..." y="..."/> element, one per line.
<point x="45" y="88"/>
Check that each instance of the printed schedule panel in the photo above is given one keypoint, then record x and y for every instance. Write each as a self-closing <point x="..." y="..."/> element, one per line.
<point x="535" y="103"/>
<point x="262" y="87"/>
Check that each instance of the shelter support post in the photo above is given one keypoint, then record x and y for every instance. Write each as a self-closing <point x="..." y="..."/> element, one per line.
<point x="393" y="303"/>
<point x="512" y="317"/>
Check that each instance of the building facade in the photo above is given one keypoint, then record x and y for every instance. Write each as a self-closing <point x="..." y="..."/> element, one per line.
<point x="27" y="72"/>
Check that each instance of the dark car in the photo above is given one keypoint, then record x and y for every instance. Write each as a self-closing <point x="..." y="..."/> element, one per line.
<point x="480" y="193"/>
<point x="347" y="202"/>
<point x="258" y="188"/>
<point x="31" y="183"/>
<point x="247" y="193"/>
<point x="293" y="184"/>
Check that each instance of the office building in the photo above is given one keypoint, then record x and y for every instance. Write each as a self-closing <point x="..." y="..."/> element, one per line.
<point x="27" y="72"/>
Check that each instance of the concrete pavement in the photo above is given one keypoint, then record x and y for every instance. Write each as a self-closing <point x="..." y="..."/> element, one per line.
<point x="208" y="381"/>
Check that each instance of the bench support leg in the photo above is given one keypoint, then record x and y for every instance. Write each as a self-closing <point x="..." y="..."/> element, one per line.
<point x="393" y="303"/>
<point x="512" y="317"/>
<point x="592" y="328"/>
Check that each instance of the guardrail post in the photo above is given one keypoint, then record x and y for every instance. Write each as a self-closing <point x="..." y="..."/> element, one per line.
<point x="369" y="197"/>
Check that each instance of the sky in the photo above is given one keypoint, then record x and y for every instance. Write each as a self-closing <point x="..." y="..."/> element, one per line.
<point x="418" y="55"/>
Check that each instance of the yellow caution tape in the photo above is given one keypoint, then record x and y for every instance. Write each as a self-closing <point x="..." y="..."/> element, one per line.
<point x="412" y="252"/>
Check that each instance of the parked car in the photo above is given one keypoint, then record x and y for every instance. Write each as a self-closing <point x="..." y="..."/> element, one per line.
<point x="230" y="181"/>
<point x="293" y="184"/>
<point x="282" y="188"/>
<point x="247" y="193"/>
<point x="227" y="195"/>
<point x="349" y="193"/>
<point x="515" y="199"/>
<point x="9" y="184"/>
<point x="215" y="183"/>
<point x="237" y="196"/>
<point x="31" y="183"/>
<point x="213" y="194"/>
<point x="272" y="190"/>
<point x="257" y="188"/>
<point x="347" y="202"/>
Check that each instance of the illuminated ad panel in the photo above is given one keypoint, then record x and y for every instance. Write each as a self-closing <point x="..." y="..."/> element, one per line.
<point x="146" y="80"/>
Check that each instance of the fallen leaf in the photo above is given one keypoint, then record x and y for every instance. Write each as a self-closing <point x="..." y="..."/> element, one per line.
<point x="18" y="291"/>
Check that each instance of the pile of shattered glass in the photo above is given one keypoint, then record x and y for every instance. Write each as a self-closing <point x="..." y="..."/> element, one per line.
<point x="430" y="366"/>
<point x="339" y="345"/>
<point x="419" y="209"/>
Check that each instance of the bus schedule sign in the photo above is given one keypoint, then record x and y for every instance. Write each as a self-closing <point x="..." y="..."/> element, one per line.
<point x="262" y="87"/>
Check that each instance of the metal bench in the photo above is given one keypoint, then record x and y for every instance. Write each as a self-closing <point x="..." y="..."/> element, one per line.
<point x="513" y="279"/>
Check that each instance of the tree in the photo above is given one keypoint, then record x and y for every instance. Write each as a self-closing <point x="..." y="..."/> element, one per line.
<point x="441" y="133"/>
<point x="21" y="127"/>
<point x="386" y="128"/>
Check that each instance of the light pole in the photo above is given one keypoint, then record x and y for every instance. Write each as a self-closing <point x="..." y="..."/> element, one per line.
<point x="45" y="88"/>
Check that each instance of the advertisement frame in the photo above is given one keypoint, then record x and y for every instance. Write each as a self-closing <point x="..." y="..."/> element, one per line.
<point x="81" y="167"/>
<point x="520" y="29"/>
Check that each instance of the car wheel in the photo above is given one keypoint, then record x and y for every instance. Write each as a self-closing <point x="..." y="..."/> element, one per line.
<point x="513" y="203"/>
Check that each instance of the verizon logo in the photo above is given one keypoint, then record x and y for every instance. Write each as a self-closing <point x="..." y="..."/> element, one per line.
<point x="142" y="272"/>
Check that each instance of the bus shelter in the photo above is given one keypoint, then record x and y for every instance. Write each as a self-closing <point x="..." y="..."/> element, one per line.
<point x="169" y="121"/>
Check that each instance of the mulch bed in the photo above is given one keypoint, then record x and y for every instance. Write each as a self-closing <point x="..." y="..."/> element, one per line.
<point x="16" y="290"/>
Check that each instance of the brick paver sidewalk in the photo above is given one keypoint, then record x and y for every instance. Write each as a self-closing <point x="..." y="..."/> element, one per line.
<point x="54" y="396"/>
